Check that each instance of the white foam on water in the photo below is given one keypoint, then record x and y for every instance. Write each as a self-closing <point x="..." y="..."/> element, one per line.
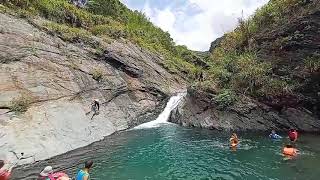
<point x="164" y="116"/>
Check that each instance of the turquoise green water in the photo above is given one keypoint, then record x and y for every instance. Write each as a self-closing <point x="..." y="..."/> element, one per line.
<point x="173" y="152"/>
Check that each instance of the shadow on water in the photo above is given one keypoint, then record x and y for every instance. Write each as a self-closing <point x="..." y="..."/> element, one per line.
<point x="174" y="152"/>
<point x="71" y="161"/>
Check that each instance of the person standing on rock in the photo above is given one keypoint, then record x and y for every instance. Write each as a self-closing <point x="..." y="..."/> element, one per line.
<point x="83" y="174"/>
<point x="5" y="172"/>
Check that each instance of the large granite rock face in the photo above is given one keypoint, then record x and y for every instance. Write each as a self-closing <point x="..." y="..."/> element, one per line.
<point x="61" y="79"/>
<point x="198" y="110"/>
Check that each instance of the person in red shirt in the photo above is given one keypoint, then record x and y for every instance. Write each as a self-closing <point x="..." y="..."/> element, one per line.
<point x="4" y="172"/>
<point x="293" y="135"/>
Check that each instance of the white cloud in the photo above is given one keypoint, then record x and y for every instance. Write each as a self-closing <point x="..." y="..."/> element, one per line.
<point x="197" y="23"/>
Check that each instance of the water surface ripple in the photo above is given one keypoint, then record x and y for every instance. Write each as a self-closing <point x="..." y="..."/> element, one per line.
<point x="173" y="152"/>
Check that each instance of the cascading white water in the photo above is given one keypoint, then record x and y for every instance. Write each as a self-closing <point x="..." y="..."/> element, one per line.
<point x="164" y="116"/>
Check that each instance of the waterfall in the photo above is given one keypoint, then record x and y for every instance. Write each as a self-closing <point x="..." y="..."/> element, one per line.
<point x="164" y="116"/>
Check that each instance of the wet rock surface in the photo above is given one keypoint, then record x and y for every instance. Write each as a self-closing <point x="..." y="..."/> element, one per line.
<point x="61" y="79"/>
<point x="198" y="110"/>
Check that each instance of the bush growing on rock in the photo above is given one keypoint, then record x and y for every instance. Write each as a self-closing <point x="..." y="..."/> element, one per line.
<point x="69" y="33"/>
<point x="225" y="98"/>
<point x="21" y="103"/>
<point x="312" y="64"/>
<point x="97" y="74"/>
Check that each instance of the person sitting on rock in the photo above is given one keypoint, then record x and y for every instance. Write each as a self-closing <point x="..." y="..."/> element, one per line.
<point x="274" y="135"/>
<point x="5" y="172"/>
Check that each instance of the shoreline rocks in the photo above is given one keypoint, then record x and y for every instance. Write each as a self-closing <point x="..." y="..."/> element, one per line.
<point x="198" y="110"/>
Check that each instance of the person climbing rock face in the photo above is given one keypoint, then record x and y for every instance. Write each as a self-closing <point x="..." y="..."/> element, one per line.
<point x="5" y="172"/>
<point x="95" y="106"/>
<point x="83" y="174"/>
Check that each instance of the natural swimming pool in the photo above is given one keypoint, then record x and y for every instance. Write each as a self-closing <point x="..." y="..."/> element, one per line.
<point x="174" y="152"/>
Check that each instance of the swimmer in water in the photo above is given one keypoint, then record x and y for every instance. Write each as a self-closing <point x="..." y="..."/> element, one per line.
<point x="274" y="135"/>
<point x="234" y="141"/>
<point x="289" y="151"/>
<point x="293" y="135"/>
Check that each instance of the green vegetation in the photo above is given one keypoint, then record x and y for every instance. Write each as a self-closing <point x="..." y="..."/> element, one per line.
<point x="69" y="33"/>
<point x="21" y="103"/>
<point x="225" y="98"/>
<point x="312" y="64"/>
<point x="108" y="19"/>
<point x="235" y="64"/>
<point x="97" y="74"/>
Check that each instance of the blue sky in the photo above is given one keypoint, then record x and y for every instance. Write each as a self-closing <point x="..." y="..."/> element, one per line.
<point x="195" y="23"/>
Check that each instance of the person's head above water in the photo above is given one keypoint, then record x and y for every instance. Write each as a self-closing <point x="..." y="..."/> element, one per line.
<point x="289" y="146"/>
<point x="1" y="163"/>
<point x="273" y="131"/>
<point x="292" y="130"/>
<point x="88" y="164"/>
<point x="234" y="135"/>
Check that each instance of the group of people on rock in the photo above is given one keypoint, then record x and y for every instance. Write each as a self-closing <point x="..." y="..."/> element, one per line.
<point x="48" y="173"/>
<point x="83" y="174"/>
<point x="289" y="150"/>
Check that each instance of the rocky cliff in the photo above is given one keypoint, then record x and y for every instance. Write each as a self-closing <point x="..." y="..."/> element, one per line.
<point x="272" y="63"/>
<point x="47" y="86"/>
<point x="198" y="109"/>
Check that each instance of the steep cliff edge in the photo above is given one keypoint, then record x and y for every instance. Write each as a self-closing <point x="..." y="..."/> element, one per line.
<point x="47" y="86"/>
<point x="269" y="66"/>
<point x="199" y="109"/>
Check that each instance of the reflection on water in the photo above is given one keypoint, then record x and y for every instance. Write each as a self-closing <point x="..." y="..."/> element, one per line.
<point x="173" y="152"/>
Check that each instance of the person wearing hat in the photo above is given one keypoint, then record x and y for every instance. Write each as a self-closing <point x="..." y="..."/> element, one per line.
<point x="48" y="174"/>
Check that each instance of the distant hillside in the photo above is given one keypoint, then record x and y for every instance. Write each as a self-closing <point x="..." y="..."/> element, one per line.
<point x="273" y="56"/>
<point x="109" y="19"/>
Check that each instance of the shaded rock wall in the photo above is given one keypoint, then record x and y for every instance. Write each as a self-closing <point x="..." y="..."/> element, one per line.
<point x="198" y="110"/>
<point x="59" y="79"/>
